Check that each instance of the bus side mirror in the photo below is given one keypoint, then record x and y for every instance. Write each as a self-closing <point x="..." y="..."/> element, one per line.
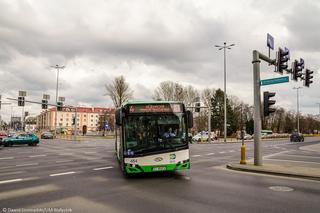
<point x="190" y="119"/>
<point x="118" y="117"/>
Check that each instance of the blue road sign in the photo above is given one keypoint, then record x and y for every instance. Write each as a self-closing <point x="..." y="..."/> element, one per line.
<point x="274" y="81"/>
<point x="270" y="41"/>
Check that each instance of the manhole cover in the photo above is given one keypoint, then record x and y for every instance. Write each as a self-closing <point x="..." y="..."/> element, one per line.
<point x="281" y="188"/>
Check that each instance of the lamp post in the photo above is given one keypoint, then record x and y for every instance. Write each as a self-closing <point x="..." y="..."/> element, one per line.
<point x="224" y="47"/>
<point x="58" y="68"/>
<point x="297" y="88"/>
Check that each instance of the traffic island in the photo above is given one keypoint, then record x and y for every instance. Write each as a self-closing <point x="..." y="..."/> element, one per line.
<point x="312" y="173"/>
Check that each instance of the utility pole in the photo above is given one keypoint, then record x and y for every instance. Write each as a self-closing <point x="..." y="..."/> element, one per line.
<point x="298" y="113"/>
<point x="224" y="47"/>
<point x="58" y="68"/>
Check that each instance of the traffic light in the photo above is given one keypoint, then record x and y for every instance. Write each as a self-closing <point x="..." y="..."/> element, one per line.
<point x="20" y="101"/>
<point x="197" y="107"/>
<point x="308" y="78"/>
<point x="73" y="120"/>
<point x="26" y="114"/>
<point x="267" y="103"/>
<point x="59" y="106"/>
<point x="283" y="56"/>
<point x="297" y="68"/>
<point x="44" y="104"/>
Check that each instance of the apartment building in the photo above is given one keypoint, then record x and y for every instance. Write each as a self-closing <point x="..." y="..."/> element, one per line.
<point x="87" y="118"/>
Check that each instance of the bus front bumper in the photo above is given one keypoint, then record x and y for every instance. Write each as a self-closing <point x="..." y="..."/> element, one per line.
<point x="182" y="165"/>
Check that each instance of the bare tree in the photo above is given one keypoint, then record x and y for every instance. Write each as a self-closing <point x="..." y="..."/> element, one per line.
<point x="190" y="95"/>
<point x="207" y="95"/>
<point x="169" y="91"/>
<point x="119" y="91"/>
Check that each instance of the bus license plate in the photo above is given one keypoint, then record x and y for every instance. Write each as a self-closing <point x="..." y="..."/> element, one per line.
<point x="160" y="168"/>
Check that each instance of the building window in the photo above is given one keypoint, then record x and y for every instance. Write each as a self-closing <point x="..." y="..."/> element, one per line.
<point x="84" y="115"/>
<point x="84" y="120"/>
<point x="91" y="115"/>
<point x="91" y="120"/>
<point x="61" y="119"/>
<point x="67" y="124"/>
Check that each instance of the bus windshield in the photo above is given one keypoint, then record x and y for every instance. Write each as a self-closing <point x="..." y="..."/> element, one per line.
<point x="153" y="133"/>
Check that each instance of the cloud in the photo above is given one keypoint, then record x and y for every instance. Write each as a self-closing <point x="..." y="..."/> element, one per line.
<point x="149" y="42"/>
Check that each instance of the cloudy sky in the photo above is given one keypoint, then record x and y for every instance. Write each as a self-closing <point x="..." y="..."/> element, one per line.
<point x="150" y="41"/>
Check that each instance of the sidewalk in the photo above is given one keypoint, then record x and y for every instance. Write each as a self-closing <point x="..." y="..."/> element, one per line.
<point x="297" y="169"/>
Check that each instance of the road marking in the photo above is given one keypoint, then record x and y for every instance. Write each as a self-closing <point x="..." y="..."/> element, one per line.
<point x="102" y="168"/>
<point x="222" y="152"/>
<point x="195" y="156"/>
<point x="66" y="154"/>
<point x="7" y="158"/>
<point x="28" y="164"/>
<point x="63" y="161"/>
<point x="11" y="173"/>
<point x="210" y="154"/>
<point x="90" y="152"/>
<point x="271" y="155"/>
<point x="231" y="151"/>
<point x="35" y="156"/>
<point x="64" y="173"/>
<point x="10" y="181"/>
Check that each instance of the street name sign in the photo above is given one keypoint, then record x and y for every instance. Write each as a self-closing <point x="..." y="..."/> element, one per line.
<point x="274" y="81"/>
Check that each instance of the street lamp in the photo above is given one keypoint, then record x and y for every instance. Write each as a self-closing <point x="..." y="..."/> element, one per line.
<point x="58" y="68"/>
<point x="319" y="108"/>
<point x="224" y="47"/>
<point x="297" y="88"/>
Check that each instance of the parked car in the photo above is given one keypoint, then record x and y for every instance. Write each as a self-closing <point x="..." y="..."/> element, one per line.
<point x="2" y="136"/>
<point x="204" y="136"/>
<point x="46" y="135"/>
<point x="30" y="139"/>
<point x="296" y="137"/>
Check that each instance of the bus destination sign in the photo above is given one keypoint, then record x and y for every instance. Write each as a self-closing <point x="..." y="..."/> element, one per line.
<point x="145" y="108"/>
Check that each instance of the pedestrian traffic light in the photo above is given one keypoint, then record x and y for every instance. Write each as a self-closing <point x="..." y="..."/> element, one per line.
<point x="267" y="103"/>
<point x="20" y="101"/>
<point x="197" y="107"/>
<point x="308" y="78"/>
<point x="59" y="106"/>
<point x="73" y="120"/>
<point x="44" y="104"/>
<point x="297" y="68"/>
<point x="283" y="56"/>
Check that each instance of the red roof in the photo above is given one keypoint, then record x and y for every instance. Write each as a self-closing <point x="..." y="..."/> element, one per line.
<point x="85" y="109"/>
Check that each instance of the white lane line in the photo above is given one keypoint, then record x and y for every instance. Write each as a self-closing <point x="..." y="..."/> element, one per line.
<point x="195" y="156"/>
<point x="35" y="156"/>
<point x="90" y="152"/>
<point x="222" y="152"/>
<point x="66" y="154"/>
<point x="10" y="181"/>
<point x="210" y="154"/>
<point x="231" y="151"/>
<point x="64" y="173"/>
<point x="7" y="158"/>
<point x="102" y="168"/>
<point x="28" y="164"/>
<point x="63" y="161"/>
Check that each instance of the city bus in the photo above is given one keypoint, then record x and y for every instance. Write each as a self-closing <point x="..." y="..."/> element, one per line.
<point x="152" y="136"/>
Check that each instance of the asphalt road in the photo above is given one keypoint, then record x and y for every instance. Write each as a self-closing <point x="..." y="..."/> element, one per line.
<point x="85" y="177"/>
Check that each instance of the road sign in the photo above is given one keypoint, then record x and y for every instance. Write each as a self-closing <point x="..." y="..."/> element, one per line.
<point x="270" y="41"/>
<point x="274" y="81"/>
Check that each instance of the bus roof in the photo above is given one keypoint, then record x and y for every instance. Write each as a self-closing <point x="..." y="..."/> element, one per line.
<point x="137" y="102"/>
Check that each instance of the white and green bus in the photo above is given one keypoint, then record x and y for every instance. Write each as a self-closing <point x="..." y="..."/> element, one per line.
<point x="152" y="136"/>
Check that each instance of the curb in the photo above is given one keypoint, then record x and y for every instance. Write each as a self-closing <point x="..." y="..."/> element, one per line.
<point x="230" y="166"/>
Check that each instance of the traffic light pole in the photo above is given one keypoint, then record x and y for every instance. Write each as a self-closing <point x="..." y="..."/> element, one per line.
<point x="257" y="104"/>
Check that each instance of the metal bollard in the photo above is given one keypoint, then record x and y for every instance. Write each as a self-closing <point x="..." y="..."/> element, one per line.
<point x="243" y="154"/>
